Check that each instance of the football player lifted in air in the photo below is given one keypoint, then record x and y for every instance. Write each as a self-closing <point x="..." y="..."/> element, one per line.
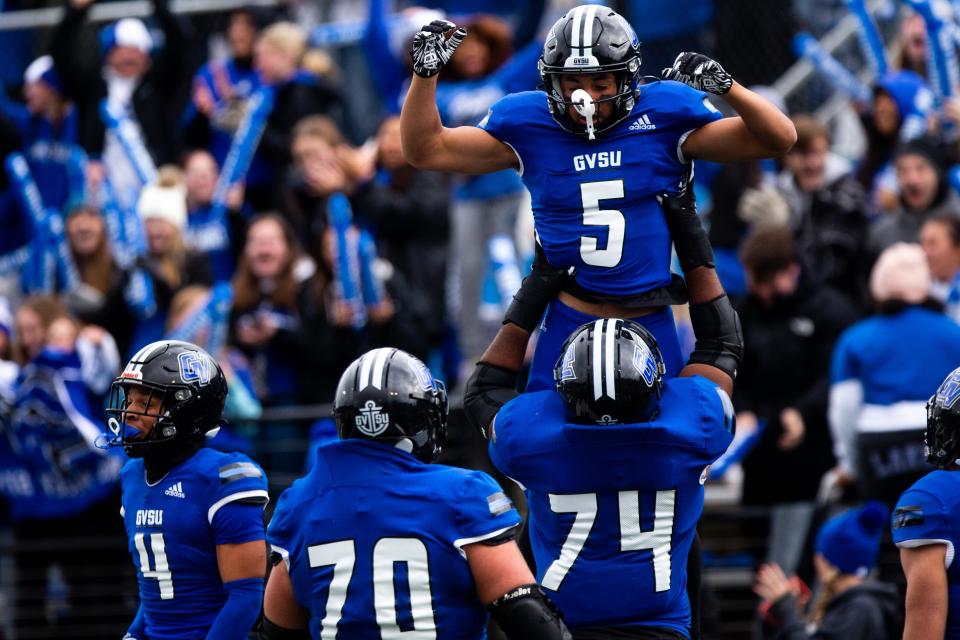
<point x="926" y="525"/>
<point x="594" y="148"/>
<point x="194" y="516"/>
<point x="614" y="459"/>
<point x="377" y="542"/>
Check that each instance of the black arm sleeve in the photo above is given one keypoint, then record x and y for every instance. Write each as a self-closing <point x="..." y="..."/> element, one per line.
<point x="270" y="631"/>
<point x="719" y="335"/>
<point x="537" y="290"/>
<point x="489" y="388"/>
<point x="526" y="613"/>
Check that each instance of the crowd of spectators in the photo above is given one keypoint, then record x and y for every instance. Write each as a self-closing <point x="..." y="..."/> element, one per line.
<point x="846" y="269"/>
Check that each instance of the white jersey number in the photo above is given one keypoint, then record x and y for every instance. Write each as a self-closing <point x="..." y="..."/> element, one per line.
<point x="632" y="537"/>
<point x="591" y="193"/>
<point x="161" y="569"/>
<point x="386" y="553"/>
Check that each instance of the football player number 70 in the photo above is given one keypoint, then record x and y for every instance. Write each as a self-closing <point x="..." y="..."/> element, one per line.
<point x="388" y="551"/>
<point x="591" y="193"/>
<point x="632" y="537"/>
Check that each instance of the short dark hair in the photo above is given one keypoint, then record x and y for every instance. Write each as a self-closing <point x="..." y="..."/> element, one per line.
<point x="808" y="130"/>
<point x="768" y="250"/>
<point x="950" y="220"/>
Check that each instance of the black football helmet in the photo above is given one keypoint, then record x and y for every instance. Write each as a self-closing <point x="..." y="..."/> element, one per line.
<point x="610" y="371"/>
<point x="184" y="390"/>
<point x="591" y="39"/>
<point x="942" y="439"/>
<point x="389" y="396"/>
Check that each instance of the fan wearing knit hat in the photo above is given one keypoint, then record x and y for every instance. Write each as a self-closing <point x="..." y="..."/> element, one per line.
<point x="848" y="604"/>
<point x="883" y="370"/>
<point x="162" y="207"/>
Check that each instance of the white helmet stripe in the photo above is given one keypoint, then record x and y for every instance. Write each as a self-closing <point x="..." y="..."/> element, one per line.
<point x="587" y="43"/>
<point x="609" y="373"/>
<point x="575" y="32"/>
<point x="379" y="380"/>
<point x="144" y="353"/>
<point x="597" y="364"/>
<point x="366" y="361"/>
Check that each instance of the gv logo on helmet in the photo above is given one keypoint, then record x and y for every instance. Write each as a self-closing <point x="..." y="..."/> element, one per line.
<point x="643" y="361"/>
<point x="372" y="420"/>
<point x="194" y="367"/>
<point x="949" y="391"/>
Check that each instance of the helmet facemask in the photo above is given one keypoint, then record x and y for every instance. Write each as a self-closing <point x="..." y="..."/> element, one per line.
<point x="142" y="402"/>
<point x="942" y="437"/>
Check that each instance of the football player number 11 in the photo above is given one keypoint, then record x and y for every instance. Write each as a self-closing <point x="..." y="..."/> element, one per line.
<point x="632" y="536"/>
<point x="591" y="193"/>
<point x="342" y="556"/>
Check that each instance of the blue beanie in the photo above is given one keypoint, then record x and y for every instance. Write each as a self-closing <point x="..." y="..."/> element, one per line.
<point x="851" y="540"/>
<point x="909" y="91"/>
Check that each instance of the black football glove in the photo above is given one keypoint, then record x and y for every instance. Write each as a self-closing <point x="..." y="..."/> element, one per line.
<point x="700" y="72"/>
<point x="431" y="49"/>
<point x="689" y="238"/>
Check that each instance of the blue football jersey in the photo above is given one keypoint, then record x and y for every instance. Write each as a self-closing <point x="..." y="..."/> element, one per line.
<point x="373" y="542"/>
<point x="929" y="513"/>
<point x="614" y="508"/>
<point x="594" y="204"/>
<point x="173" y="529"/>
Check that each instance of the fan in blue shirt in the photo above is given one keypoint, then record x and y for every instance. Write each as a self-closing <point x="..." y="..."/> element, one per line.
<point x="614" y="459"/>
<point x="194" y="516"/>
<point x="926" y="524"/>
<point x="377" y="542"/>
<point x="594" y="149"/>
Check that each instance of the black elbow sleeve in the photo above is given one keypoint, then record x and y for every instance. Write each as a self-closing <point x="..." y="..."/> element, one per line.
<point x="526" y="613"/>
<point x="271" y="631"/>
<point x="719" y="335"/>
<point x="489" y="388"/>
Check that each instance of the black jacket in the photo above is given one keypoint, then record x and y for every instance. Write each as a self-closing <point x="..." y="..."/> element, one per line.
<point x="870" y="611"/>
<point x="157" y="101"/>
<point x="409" y="217"/>
<point x="787" y="351"/>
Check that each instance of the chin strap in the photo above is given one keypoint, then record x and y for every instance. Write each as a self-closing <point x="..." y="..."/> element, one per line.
<point x="586" y="107"/>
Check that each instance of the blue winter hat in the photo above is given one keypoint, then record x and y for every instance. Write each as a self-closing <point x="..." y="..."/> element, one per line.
<point x="851" y="540"/>
<point x="909" y="91"/>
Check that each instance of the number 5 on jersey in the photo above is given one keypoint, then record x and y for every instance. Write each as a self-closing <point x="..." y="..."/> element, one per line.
<point x="591" y="193"/>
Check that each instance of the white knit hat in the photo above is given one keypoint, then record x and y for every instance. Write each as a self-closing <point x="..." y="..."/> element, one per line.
<point x="128" y="32"/>
<point x="164" y="203"/>
<point x="901" y="273"/>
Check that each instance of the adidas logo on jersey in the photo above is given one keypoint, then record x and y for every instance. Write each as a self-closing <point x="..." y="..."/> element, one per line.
<point x="175" y="490"/>
<point x="643" y="124"/>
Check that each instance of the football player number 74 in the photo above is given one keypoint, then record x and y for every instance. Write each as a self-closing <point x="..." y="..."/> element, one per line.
<point x="591" y="193"/>
<point x="632" y="536"/>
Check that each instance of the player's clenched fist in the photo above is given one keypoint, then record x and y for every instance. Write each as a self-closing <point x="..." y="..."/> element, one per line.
<point x="700" y="72"/>
<point x="431" y="48"/>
